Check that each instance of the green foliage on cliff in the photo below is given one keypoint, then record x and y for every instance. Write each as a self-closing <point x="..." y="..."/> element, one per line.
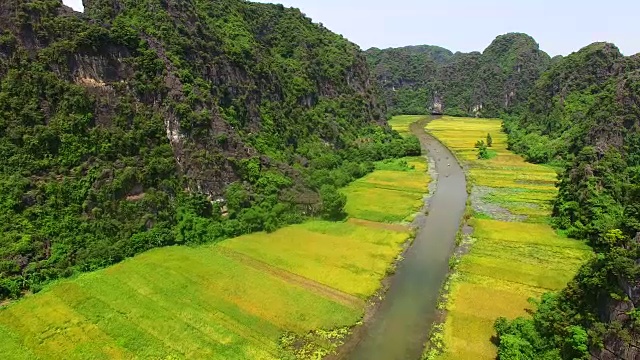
<point x="584" y="114"/>
<point x="150" y="123"/>
<point x="406" y="75"/>
<point x="478" y="84"/>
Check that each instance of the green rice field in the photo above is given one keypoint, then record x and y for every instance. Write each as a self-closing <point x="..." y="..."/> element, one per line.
<point x="389" y="195"/>
<point x="509" y="261"/>
<point x="401" y="123"/>
<point x="232" y="300"/>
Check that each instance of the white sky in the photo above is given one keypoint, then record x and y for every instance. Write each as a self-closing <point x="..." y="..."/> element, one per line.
<point x="75" y="4"/>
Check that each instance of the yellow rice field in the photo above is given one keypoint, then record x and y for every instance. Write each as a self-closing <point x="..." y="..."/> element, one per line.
<point x="509" y="262"/>
<point x="232" y="300"/>
<point x="388" y="195"/>
<point x="176" y="302"/>
<point x="348" y="257"/>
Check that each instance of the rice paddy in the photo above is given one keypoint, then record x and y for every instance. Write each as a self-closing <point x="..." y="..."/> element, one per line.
<point x="178" y="302"/>
<point x="393" y="193"/>
<point x="402" y="123"/>
<point x="348" y="257"/>
<point x="232" y="300"/>
<point x="509" y="261"/>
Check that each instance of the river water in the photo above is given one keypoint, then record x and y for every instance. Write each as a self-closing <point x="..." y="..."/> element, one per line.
<point x="400" y="326"/>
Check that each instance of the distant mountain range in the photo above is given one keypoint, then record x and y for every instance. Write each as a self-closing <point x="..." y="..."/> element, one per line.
<point x="414" y="78"/>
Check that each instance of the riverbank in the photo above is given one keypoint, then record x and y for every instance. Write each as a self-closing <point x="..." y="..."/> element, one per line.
<point x="401" y="323"/>
<point x="292" y="293"/>
<point x="514" y="253"/>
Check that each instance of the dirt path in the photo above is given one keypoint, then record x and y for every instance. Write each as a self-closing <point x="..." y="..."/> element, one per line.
<point x="399" y="326"/>
<point x="316" y="287"/>
<point x="379" y="225"/>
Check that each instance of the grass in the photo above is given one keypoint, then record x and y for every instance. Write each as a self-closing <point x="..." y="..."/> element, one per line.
<point x="232" y="300"/>
<point x="509" y="262"/>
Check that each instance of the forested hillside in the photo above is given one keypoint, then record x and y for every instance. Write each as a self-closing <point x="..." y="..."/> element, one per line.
<point x="407" y="74"/>
<point x="498" y="80"/>
<point x="147" y="123"/>
<point x="584" y="114"/>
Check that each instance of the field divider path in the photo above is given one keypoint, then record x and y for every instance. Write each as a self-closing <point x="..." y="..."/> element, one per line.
<point x="294" y="279"/>
<point x="379" y="225"/>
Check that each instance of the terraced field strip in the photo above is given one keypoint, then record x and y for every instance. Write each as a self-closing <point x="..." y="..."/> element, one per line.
<point x="379" y="225"/>
<point x="509" y="261"/>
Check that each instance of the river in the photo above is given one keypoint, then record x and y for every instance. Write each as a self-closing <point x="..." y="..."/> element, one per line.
<point x="400" y="325"/>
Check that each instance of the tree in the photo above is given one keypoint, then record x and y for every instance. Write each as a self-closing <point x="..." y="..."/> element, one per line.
<point x="333" y="203"/>
<point x="579" y="342"/>
<point x="489" y="140"/>
<point x="483" y="152"/>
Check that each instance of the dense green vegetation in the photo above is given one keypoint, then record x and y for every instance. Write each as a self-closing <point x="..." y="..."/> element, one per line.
<point x="485" y="84"/>
<point x="149" y="123"/>
<point x="405" y="73"/>
<point x="583" y="115"/>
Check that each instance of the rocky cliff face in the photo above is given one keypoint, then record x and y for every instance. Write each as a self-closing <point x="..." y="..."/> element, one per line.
<point x="477" y="84"/>
<point x="620" y="344"/>
<point x="227" y="72"/>
<point x="405" y="75"/>
<point x="116" y="123"/>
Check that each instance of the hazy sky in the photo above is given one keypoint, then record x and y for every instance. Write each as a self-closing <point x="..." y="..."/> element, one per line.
<point x="560" y="26"/>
